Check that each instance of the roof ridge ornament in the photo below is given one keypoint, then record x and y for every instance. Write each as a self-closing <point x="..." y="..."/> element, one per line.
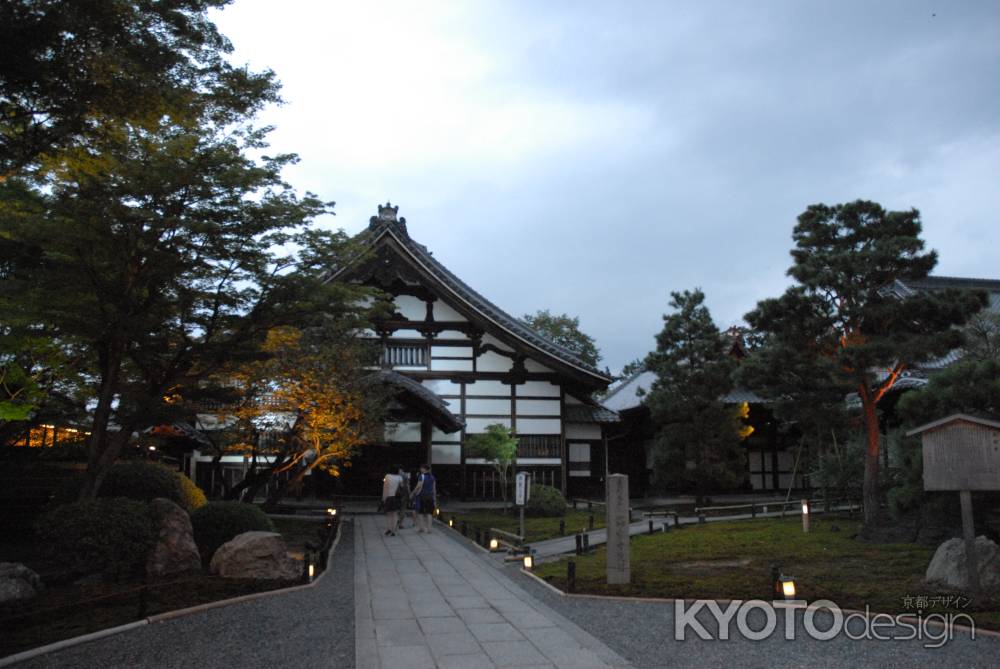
<point x="387" y="214"/>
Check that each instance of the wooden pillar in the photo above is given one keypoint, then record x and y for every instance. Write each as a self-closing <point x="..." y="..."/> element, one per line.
<point x="425" y="438"/>
<point x="969" y="534"/>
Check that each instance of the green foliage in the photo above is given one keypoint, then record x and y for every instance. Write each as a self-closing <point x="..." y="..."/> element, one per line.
<point x="698" y="437"/>
<point x="113" y="536"/>
<point x="498" y="447"/>
<point x="141" y="480"/>
<point x="840" y="469"/>
<point x="841" y="325"/>
<point x="545" y="501"/>
<point x="970" y="386"/>
<point x="216" y="523"/>
<point x="70" y="69"/>
<point x="564" y="330"/>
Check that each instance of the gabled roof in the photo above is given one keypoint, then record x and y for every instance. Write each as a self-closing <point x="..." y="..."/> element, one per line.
<point x="386" y="224"/>
<point x="986" y="421"/>
<point x="930" y="283"/>
<point x="415" y="393"/>
<point x="630" y="393"/>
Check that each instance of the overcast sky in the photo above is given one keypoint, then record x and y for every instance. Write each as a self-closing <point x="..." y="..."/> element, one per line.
<point x="591" y="157"/>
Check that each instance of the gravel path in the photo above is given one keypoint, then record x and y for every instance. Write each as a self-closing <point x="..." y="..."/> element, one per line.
<point x="643" y="633"/>
<point x="302" y="629"/>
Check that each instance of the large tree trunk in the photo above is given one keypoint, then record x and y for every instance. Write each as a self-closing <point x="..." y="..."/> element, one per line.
<point x="870" y="492"/>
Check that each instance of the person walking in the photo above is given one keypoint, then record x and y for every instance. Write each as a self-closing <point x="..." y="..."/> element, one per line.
<point x="425" y="498"/>
<point x="403" y="495"/>
<point x="390" y="500"/>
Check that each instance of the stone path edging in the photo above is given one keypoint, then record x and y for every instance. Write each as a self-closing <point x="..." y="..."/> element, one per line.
<point x="670" y="600"/>
<point x="161" y="617"/>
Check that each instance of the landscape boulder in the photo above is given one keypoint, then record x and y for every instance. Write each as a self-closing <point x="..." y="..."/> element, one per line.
<point x="948" y="566"/>
<point x="260" y="555"/>
<point x="18" y="582"/>
<point x="175" y="550"/>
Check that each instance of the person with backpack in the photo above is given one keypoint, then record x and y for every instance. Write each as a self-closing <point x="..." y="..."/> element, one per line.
<point x="390" y="500"/>
<point x="425" y="498"/>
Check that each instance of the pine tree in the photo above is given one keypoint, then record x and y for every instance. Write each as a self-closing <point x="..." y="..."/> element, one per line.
<point x="698" y="444"/>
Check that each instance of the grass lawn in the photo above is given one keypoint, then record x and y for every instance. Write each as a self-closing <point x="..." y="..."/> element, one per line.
<point x="536" y="529"/>
<point x="67" y="609"/>
<point x="732" y="560"/>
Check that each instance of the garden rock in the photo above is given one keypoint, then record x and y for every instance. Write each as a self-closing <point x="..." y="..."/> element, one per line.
<point x="947" y="567"/>
<point x="174" y="551"/>
<point x="18" y="582"/>
<point x="260" y="555"/>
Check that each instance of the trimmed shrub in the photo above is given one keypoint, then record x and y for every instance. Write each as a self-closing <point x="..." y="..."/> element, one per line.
<point x="192" y="497"/>
<point x="142" y="481"/>
<point x="111" y="536"/>
<point x="545" y="501"/>
<point x="216" y="523"/>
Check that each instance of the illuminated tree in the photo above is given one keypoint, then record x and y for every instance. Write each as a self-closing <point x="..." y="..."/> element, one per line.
<point x="842" y="324"/>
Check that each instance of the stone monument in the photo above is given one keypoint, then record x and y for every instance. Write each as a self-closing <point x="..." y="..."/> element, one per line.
<point x="618" y="524"/>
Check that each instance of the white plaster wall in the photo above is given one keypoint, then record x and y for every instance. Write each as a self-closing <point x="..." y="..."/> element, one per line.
<point x="444" y="387"/>
<point x="410" y="307"/>
<point x="538" y="408"/>
<point x="452" y="334"/>
<point x="486" y="388"/>
<point x="490" y="339"/>
<point x="452" y="351"/>
<point x="406" y="334"/>
<point x="493" y="362"/>
<point x="539" y="425"/>
<point x="583" y="431"/>
<point x="533" y="366"/>
<point x="579" y="452"/>
<point x="478" y="425"/>
<point x="402" y="431"/>
<point x="540" y="388"/>
<point x="438" y="436"/>
<point x="446" y="454"/>
<point x="487" y="407"/>
<point x="451" y="365"/>
<point x="444" y="312"/>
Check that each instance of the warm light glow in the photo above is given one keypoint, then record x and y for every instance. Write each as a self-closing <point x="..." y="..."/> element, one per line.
<point x="312" y="571"/>
<point x="451" y="522"/>
<point x="494" y="544"/>
<point x="152" y="448"/>
<point x="331" y="512"/>
<point x="529" y="562"/>
<point x="437" y="511"/>
<point x="805" y="508"/>
<point x="788" y="588"/>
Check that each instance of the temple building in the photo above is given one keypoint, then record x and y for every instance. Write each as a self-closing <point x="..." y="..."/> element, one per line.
<point x="456" y="363"/>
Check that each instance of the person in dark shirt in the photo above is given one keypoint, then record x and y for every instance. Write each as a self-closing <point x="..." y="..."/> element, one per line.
<point x="425" y="498"/>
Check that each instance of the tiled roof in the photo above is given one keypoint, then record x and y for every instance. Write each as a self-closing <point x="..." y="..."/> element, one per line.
<point x="585" y="413"/>
<point x="439" y="413"/>
<point x="477" y="301"/>
<point x="626" y="395"/>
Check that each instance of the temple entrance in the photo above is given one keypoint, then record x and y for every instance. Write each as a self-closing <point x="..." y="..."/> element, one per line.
<point x="364" y="476"/>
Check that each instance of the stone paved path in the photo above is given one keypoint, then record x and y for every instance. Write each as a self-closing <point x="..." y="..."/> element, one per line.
<point x="428" y="601"/>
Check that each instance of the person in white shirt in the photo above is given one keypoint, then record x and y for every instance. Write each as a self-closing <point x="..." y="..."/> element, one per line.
<point x="390" y="502"/>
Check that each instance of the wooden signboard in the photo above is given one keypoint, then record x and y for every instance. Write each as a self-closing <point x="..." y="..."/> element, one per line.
<point x="962" y="452"/>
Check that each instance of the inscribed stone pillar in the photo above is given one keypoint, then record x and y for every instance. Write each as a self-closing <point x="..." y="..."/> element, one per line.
<point x="618" y="523"/>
